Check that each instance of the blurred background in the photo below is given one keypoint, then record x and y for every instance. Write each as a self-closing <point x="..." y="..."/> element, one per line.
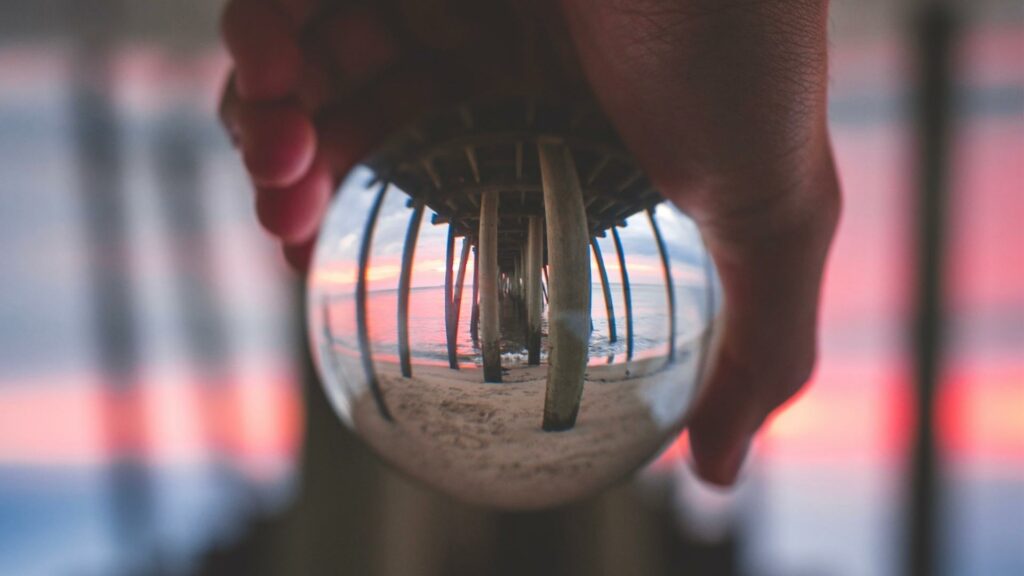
<point x="158" y="414"/>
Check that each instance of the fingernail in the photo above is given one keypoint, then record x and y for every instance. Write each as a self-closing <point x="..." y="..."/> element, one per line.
<point x="723" y="470"/>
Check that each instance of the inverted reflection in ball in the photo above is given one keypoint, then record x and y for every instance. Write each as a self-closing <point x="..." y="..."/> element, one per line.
<point x="503" y="306"/>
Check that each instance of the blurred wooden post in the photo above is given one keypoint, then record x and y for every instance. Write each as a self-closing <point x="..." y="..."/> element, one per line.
<point x="569" y="289"/>
<point x="404" y="286"/>
<point x="534" y="262"/>
<point x="626" y="293"/>
<point x="489" y="312"/>
<point x="365" y="351"/>
<point x="460" y="281"/>
<point x="666" y="267"/>
<point x="609" y="307"/>
<point x="935" y="97"/>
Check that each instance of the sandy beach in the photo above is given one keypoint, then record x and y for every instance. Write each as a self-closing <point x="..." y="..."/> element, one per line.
<point x="484" y="443"/>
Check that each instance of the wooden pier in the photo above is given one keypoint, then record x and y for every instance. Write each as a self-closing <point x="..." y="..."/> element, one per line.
<point x="528" y="187"/>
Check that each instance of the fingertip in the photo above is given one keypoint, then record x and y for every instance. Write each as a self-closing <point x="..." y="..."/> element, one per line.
<point x="293" y="214"/>
<point x="299" y="256"/>
<point x="716" y="464"/>
<point x="278" y="144"/>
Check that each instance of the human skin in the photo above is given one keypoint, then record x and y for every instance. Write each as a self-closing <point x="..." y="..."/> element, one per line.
<point x="722" y="102"/>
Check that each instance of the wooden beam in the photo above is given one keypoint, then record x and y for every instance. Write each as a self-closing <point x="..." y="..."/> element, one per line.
<point x="404" y="287"/>
<point x="666" y="267"/>
<point x="473" y="164"/>
<point x="629" y="181"/>
<point x="596" y="171"/>
<point x="449" y="287"/>
<point x="482" y="139"/>
<point x="460" y="280"/>
<point x="626" y="293"/>
<point x="428" y="165"/>
<point x="490" y="317"/>
<point x="534" y="298"/>
<point x="474" y="316"/>
<point x="519" y="160"/>
<point x="362" y="327"/>
<point x="569" y="288"/>
<point x="609" y="306"/>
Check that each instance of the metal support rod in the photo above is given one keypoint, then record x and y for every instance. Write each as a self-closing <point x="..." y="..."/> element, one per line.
<point x="626" y="293"/>
<point x="365" y="351"/>
<point x="569" y="309"/>
<point x="490" y="316"/>
<point x="460" y="281"/>
<point x="670" y="291"/>
<point x="609" y="306"/>
<point x="404" y="287"/>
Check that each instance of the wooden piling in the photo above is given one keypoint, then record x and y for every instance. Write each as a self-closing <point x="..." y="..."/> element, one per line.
<point x="626" y="293"/>
<point x="474" y="315"/>
<point x="404" y="286"/>
<point x="609" y="306"/>
<point x="460" y="281"/>
<point x="490" y="334"/>
<point x="666" y="267"/>
<point x="449" y="286"/>
<point x="534" y="302"/>
<point x="569" y="287"/>
<point x="362" y="327"/>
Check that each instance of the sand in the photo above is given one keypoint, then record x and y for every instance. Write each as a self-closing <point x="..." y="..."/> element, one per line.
<point x="483" y="442"/>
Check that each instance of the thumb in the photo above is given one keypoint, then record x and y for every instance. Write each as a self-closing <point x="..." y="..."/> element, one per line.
<point x="771" y="270"/>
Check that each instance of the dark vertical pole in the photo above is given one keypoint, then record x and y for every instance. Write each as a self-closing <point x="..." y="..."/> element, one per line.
<point x="534" y="298"/>
<point x="934" y="93"/>
<point x="179" y="158"/>
<point x="405" y="286"/>
<point x="449" y="282"/>
<point x="99" y="170"/>
<point x="474" y="316"/>
<point x="626" y="294"/>
<point x="609" y="307"/>
<point x="490" y="313"/>
<point x="365" y="350"/>
<point x="460" y="281"/>
<point x="666" y="267"/>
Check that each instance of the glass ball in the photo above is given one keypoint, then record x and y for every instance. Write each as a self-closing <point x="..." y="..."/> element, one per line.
<point x="503" y="307"/>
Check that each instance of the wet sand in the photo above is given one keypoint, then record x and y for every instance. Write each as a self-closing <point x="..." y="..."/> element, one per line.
<point x="484" y="443"/>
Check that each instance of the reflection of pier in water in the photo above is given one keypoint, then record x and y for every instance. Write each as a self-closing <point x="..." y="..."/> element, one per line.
<point x="528" y="188"/>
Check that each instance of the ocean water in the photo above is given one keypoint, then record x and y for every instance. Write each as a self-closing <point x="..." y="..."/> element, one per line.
<point x="428" y="341"/>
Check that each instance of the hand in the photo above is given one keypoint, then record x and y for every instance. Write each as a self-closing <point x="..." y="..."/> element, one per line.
<point x="722" y="102"/>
